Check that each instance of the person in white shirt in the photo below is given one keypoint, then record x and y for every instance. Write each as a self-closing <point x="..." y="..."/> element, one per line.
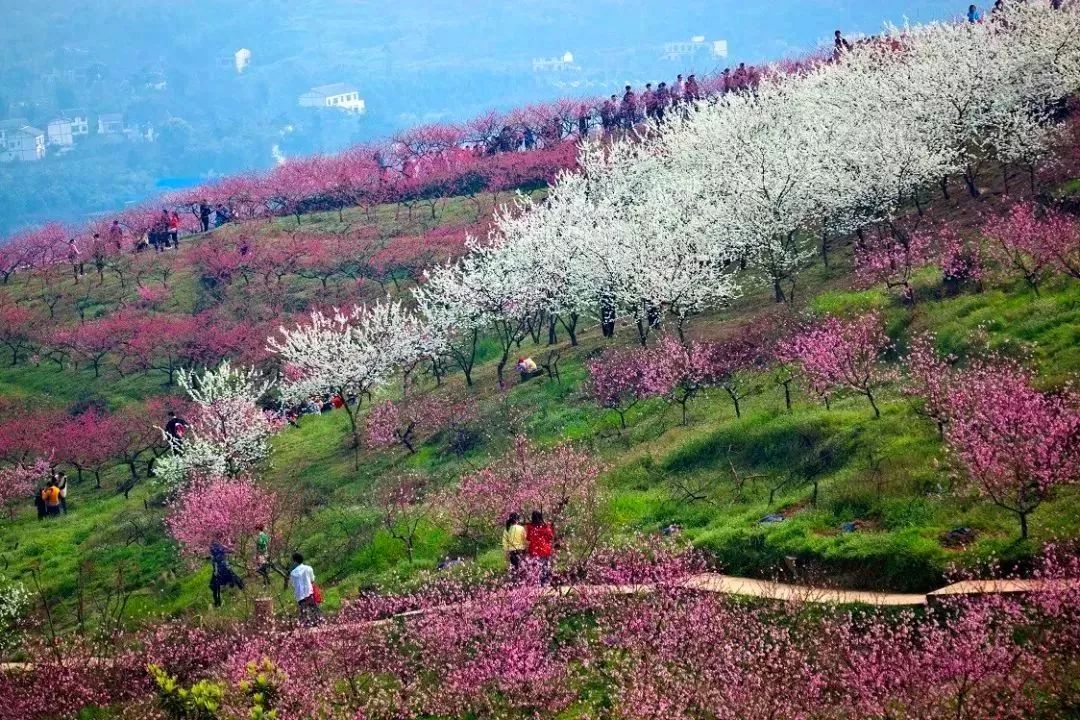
<point x="302" y="581"/>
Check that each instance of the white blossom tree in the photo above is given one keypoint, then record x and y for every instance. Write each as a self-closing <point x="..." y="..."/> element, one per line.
<point x="348" y="354"/>
<point x="228" y="434"/>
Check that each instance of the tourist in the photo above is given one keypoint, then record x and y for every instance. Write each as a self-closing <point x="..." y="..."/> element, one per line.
<point x="583" y="121"/>
<point x="842" y="45"/>
<point x="663" y="99"/>
<point x="540" y="541"/>
<point x="302" y="581"/>
<point x="116" y="235"/>
<point x="221" y="215"/>
<point x="628" y="109"/>
<point x="691" y="91"/>
<point x="204" y="215"/>
<point x="973" y="15"/>
<point x="262" y="554"/>
<point x="175" y="428"/>
<point x="174" y="229"/>
<point x="78" y="267"/>
<point x="677" y="90"/>
<point x="39" y="503"/>
<point x="51" y="497"/>
<point x="514" y="543"/>
<point x="97" y="250"/>
<point x="221" y="576"/>
<point x="648" y="98"/>
<point x="61" y="482"/>
<point x="526" y="366"/>
<point x="609" y="113"/>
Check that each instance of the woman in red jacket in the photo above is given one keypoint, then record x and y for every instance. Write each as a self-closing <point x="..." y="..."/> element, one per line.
<point x="540" y="540"/>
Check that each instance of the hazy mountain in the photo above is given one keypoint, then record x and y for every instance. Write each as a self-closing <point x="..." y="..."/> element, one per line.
<point x="169" y="67"/>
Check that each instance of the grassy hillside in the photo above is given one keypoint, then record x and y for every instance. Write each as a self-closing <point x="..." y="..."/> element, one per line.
<point x="885" y="496"/>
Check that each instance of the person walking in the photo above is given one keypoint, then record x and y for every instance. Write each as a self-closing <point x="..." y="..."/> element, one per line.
<point x="648" y="99"/>
<point x="116" y="235"/>
<point x="691" y="91"/>
<point x="97" y="252"/>
<point x="221" y="576"/>
<point x="628" y="109"/>
<point x="841" y="43"/>
<point x="262" y="555"/>
<point x="175" y="428"/>
<point x="973" y="14"/>
<point x="204" y="215"/>
<point x="514" y="543"/>
<point x="677" y="90"/>
<point x="74" y="256"/>
<point x="663" y="100"/>
<point x="540" y="544"/>
<point x="609" y="113"/>
<point x="174" y="230"/>
<point x="302" y="581"/>
<point x="50" y="496"/>
<point x="61" y="481"/>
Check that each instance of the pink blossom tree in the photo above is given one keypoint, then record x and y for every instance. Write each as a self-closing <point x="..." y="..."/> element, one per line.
<point x="1013" y="442"/>
<point x="218" y="509"/>
<point x="18" y="483"/>
<point x="407" y="421"/>
<point x="619" y="379"/>
<point x="561" y="483"/>
<point x="1016" y="242"/>
<point x="835" y="354"/>
<point x="892" y="259"/>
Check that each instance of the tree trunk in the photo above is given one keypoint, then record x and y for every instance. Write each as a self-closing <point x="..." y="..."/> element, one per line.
<point x="873" y="404"/>
<point x="778" y="292"/>
<point x="1023" y="525"/>
<point x="571" y="328"/>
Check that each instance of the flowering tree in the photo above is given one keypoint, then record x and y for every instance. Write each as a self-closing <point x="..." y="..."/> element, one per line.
<point x="228" y="434"/>
<point x="405" y="502"/>
<point x="403" y="423"/>
<point x="92" y="342"/>
<point x="892" y="259"/>
<point x="560" y="482"/>
<point x="931" y="379"/>
<point x="835" y="354"/>
<point x="18" y="329"/>
<point x="619" y="379"/>
<point x="228" y="510"/>
<point x="1016" y="241"/>
<point x="18" y="482"/>
<point x="14" y="602"/>
<point x="1014" y="443"/>
<point x="960" y="259"/>
<point x="348" y="354"/>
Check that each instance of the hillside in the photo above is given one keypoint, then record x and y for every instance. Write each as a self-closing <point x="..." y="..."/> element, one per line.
<point x="812" y="329"/>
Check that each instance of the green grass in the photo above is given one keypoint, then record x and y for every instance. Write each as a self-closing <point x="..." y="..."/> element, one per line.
<point x="888" y="475"/>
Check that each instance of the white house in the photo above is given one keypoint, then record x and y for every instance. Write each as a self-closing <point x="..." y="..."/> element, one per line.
<point x="59" y="132"/>
<point x="565" y="63"/>
<point x="688" y="50"/>
<point x="21" y="141"/>
<point x="338" y="95"/>
<point x="80" y="121"/>
<point x="110" y="124"/>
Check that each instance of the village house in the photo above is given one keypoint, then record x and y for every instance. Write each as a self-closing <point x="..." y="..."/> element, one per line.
<point x="110" y="124"/>
<point x="59" y="132"/>
<point x="338" y="95"/>
<point x="20" y="141"/>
